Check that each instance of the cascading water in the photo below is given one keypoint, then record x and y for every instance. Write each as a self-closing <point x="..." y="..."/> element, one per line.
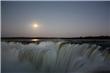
<point x="50" y="57"/>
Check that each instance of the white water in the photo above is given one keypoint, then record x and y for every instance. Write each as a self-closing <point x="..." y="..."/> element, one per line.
<point x="53" y="57"/>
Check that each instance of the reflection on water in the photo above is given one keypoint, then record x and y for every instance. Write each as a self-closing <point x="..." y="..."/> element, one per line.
<point x="34" y="40"/>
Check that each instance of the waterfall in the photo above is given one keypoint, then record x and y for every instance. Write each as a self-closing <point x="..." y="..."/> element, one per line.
<point x="61" y="57"/>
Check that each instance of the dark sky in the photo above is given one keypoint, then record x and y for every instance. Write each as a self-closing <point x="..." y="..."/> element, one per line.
<point x="55" y="19"/>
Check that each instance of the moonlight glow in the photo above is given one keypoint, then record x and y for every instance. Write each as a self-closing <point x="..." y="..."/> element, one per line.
<point x="35" y="25"/>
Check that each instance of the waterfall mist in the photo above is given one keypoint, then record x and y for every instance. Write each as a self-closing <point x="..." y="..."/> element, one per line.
<point x="54" y="57"/>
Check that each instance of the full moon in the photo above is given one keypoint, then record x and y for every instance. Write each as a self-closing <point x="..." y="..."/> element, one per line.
<point x="35" y="25"/>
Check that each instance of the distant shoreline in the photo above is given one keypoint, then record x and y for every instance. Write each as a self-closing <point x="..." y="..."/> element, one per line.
<point x="88" y="37"/>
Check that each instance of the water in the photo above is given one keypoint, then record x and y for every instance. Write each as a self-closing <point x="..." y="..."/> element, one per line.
<point x="51" y="56"/>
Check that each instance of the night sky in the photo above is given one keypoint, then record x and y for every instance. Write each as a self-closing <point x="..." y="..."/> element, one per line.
<point x="55" y="19"/>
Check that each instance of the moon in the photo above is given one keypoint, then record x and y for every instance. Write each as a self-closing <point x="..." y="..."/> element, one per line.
<point x="35" y="25"/>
